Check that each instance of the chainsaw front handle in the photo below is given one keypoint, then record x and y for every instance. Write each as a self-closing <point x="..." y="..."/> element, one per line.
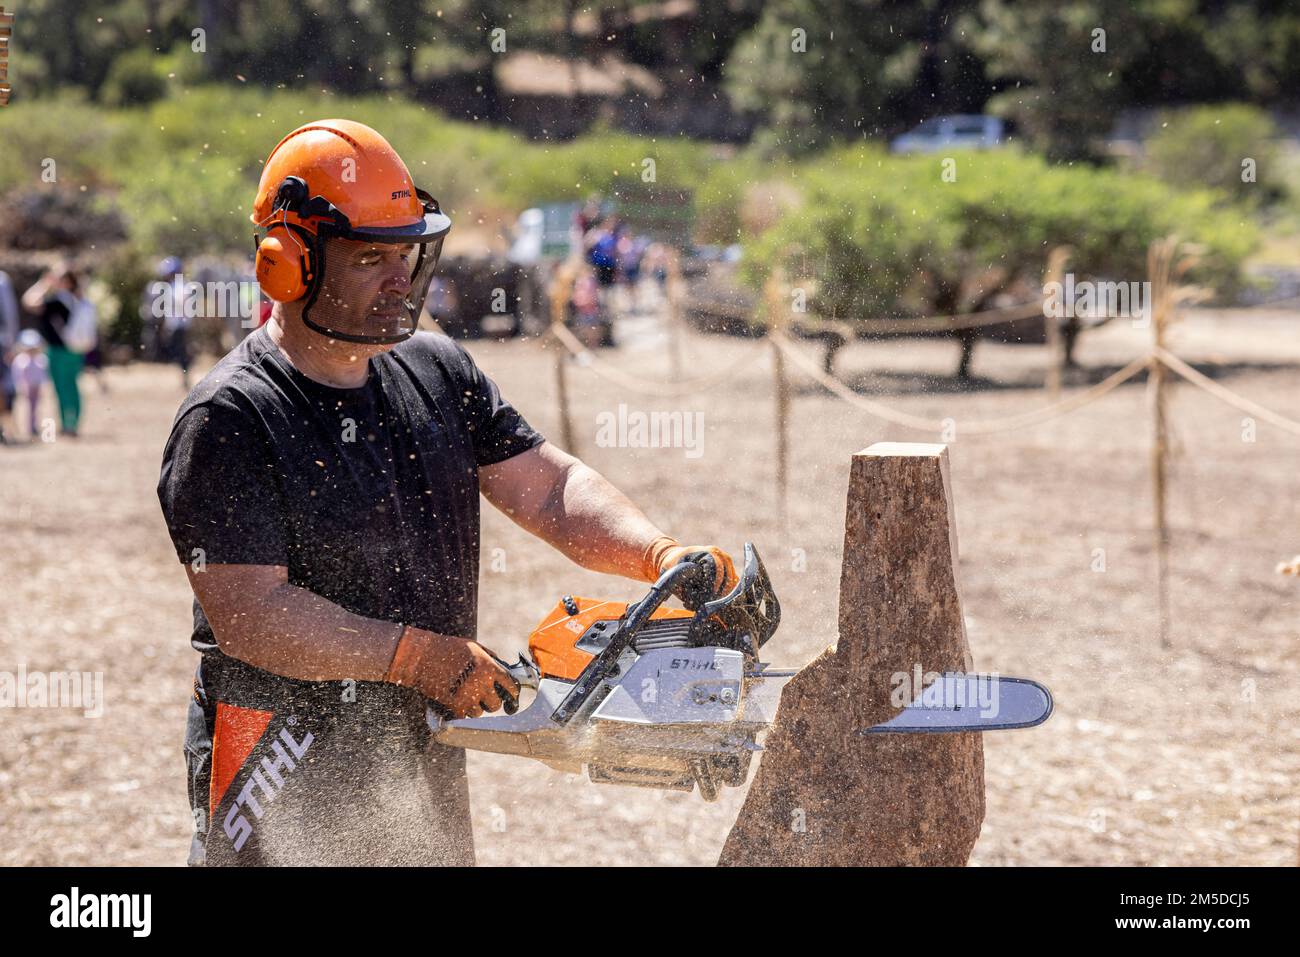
<point x="697" y="588"/>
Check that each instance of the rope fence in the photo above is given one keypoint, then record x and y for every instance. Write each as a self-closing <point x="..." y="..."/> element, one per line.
<point x="955" y="322"/>
<point x="1202" y="381"/>
<point x="975" y="427"/>
<point x="780" y="340"/>
<point x="611" y="373"/>
<point x="1166" y="266"/>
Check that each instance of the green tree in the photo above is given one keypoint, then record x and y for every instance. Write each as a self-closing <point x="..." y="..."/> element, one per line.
<point x="849" y="69"/>
<point x="1257" y="46"/>
<point x="1062" y="67"/>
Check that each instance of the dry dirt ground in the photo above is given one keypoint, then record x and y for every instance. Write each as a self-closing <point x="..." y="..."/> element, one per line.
<point x="1183" y="756"/>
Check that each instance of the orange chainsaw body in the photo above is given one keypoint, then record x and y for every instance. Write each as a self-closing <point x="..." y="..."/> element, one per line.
<point x="553" y="644"/>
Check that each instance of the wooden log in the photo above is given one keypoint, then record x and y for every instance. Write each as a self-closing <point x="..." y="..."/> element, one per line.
<point x="824" y="795"/>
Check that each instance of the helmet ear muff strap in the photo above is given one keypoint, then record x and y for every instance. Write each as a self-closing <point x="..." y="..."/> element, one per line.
<point x="286" y="262"/>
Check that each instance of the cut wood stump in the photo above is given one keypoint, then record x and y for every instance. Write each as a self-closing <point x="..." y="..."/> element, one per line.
<point x="823" y="794"/>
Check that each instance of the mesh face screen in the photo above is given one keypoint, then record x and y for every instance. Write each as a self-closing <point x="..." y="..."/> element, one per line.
<point x="372" y="292"/>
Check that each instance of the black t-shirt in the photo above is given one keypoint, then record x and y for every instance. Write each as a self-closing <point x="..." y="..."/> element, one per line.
<point x="370" y="498"/>
<point x="369" y="495"/>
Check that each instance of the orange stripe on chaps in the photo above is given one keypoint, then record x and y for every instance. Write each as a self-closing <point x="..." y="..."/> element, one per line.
<point x="236" y="733"/>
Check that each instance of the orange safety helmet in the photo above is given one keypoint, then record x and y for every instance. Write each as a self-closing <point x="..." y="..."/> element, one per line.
<point x="341" y="179"/>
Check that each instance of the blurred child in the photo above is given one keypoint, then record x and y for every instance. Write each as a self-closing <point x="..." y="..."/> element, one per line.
<point x="30" y="371"/>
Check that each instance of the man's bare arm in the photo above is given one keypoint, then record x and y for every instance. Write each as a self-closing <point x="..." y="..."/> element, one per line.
<point x="34" y="297"/>
<point x="258" y="617"/>
<point x="575" y="509"/>
<point x="261" y="619"/>
<point x="572" y="507"/>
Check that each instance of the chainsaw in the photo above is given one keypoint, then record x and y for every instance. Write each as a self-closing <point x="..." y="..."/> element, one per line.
<point x="653" y="696"/>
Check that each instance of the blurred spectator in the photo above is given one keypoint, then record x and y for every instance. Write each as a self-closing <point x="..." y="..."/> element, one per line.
<point x="164" y="311"/>
<point x="630" y="251"/>
<point x="61" y="316"/>
<point x="602" y="251"/>
<point x="94" y="364"/>
<point x="656" y="263"/>
<point x="8" y="337"/>
<point x="157" y="299"/>
<point x="30" y="369"/>
<point x="441" y="301"/>
<point x="587" y="215"/>
<point x="587" y="320"/>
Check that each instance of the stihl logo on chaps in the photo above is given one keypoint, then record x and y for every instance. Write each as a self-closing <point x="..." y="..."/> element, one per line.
<point x="263" y="784"/>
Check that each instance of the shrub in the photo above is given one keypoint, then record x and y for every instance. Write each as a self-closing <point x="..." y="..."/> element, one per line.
<point x="77" y="136"/>
<point x="1206" y="146"/>
<point x="188" y="206"/>
<point x="741" y="197"/>
<point x="603" y="162"/>
<point x="884" y="234"/>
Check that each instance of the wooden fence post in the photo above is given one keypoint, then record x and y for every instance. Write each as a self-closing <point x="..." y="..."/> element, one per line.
<point x="6" y="30"/>
<point x="1055" y="272"/>
<point x="561" y="291"/>
<point x="1168" y="262"/>
<point x="1159" y="256"/>
<point x="674" y="290"/>
<point x="777" y="322"/>
<point x="824" y="795"/>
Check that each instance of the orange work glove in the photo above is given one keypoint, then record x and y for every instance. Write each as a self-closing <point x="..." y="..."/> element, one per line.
<point x="664" y="552"/>
<point x="458" y="674"/>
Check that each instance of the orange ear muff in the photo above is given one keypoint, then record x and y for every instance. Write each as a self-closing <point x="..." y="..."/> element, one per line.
<point x="284" y="263"/>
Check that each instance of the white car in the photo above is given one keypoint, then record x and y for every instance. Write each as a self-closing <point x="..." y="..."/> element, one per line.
<point x="952" y="133"/>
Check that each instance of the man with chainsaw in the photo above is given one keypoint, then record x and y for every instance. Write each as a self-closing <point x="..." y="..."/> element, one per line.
<point x="321" y="486"/>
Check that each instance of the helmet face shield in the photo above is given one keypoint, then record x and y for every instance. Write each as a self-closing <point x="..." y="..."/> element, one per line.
<point x="370" y="292"/>
<point x="370" y="283"/>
